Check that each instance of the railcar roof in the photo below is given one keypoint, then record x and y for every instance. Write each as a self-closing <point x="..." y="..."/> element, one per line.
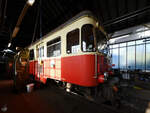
<point x="78" y="16"/>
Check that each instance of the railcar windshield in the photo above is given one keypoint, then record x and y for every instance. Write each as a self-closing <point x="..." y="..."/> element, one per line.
<point x="102" y="45"/>
<point x="91" y="44"/>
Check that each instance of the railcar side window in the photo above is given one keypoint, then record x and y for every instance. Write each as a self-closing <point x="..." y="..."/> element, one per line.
<point x="87" y="38"/>
<point x="54" y="48"/>
<point x="73" y="41"/>
<point x="31" y="54"/>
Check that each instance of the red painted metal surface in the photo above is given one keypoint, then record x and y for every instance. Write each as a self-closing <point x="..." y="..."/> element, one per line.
<point x="32" y="68"/>
<point x="79" y="70"/>
<point x="54" y="71"/>
<point x="103" y="65"/>
<point x="101" y="78"/>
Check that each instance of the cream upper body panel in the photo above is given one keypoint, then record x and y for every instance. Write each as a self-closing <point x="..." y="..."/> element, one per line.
<point x="62" y="33"/>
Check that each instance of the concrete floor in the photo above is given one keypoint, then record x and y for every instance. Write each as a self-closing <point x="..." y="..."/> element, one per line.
<point x="45" y="100"/>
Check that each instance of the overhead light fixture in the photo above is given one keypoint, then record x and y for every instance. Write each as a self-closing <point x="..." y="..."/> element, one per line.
<point x="17" y="27"/>
<point x="30" y="2"/>
<point x="17" y="48"/>
<point x="9" y="44"/>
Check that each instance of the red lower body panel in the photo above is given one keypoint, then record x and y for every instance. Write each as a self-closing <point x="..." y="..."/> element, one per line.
<point x="32" y="67"/>
<point x="79" y="70"/>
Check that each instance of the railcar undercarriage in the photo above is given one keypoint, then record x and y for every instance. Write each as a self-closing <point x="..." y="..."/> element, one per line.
<point x="104" y="93"/>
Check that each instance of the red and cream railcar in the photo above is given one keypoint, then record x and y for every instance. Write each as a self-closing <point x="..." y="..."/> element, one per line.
<point x="70" y="54"/>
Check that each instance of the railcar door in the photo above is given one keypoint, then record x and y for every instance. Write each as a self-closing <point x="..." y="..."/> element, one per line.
<point x="40" y="63"/>
<point x="53" y="69"/>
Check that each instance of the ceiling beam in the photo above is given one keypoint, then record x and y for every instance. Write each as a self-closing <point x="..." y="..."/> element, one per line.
<point x="107" y="9"/>
<point x="127" y="16"/>
<point x="117" y="8"/>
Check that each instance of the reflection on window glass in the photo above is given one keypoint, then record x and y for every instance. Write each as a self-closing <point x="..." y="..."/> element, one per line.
<point x="140" y="41"/>
<point x="131" y="58"/>
<point x="54" y="48"/>
<point x="87" y="38"/>
<point x="148" y="57"/>
<point x="110" y="52"/>
<point x="73" y="41"/>
<point x="115" y="57"/>
<point x="115" y="46"/>
<point x="147" y="40"/>
<point x="140" y="57"/>
<point x="122" y="44"/>
<point x="123" y="58"/>
<point x="131" y="43"/>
